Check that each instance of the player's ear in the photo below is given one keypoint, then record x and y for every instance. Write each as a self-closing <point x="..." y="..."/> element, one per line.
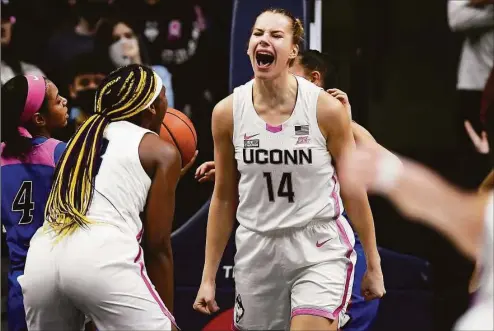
<point x="294" y="53"/>
<point x="39" y="119"/>
<point x="315" y="77"/>
<point x="152" y="109"/>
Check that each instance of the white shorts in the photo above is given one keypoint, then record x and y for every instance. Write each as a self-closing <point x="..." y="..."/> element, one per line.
<point x="98" y="272"/>
<point x="306" y="271"/>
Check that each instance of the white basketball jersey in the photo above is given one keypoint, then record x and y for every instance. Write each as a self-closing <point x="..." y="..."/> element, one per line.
<point x="121" y="185"/>
<point x="286" y="175"/>
<point x="480" y="316"/>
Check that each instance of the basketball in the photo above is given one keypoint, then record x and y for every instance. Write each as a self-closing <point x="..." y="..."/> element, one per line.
<point x="178" y="129"/>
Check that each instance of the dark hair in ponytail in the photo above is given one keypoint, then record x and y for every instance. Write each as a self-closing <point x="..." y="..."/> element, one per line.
<point x="14" y="94"/>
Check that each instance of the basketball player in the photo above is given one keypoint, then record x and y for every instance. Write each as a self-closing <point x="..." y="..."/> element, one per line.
<point x="465" y="218"/>
<point x="32" y="110"/>
<point x="86" y="259"/>
<point x="312" y="66"/>
<point x="294" y="262"/>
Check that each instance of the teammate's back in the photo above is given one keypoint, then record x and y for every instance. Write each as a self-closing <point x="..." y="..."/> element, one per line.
<point x="121" y="185"/>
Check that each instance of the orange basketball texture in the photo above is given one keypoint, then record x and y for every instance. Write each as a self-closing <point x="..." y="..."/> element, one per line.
<point x="178" y="129"/>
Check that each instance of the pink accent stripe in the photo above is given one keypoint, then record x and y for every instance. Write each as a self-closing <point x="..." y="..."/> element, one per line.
<point x="152" y="290"/>
<point x="139" y="235"/>
<point x="36" y="87"/>
<point x="234" y="327"/>
<point x="349" y="271"/>
<point x="274" y="129"/>
<point x="342" y="233"/>
<point x="336" y="197"/>
<point x="42" y="154"/>
<point x="138" y="255"/>
<point x="314" y="312"/>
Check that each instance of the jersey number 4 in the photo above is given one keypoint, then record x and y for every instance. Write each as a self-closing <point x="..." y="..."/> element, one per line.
<point x="285" y="189"/>
<point x="23" y="202"/>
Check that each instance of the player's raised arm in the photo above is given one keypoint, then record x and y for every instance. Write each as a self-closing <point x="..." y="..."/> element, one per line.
<point x="165" y="161"/>
<point x="336" y="126"/>
<point x="223" y="203"/>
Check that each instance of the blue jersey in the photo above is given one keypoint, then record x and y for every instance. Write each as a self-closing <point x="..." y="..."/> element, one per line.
<point x="25" y="189"/>
<point x="362" y="313"/>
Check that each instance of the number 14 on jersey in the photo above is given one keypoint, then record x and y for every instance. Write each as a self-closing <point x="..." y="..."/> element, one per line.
<point x="285" y="187"/>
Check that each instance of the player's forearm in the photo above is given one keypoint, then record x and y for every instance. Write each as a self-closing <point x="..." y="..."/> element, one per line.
<point x="159" y="267"/>
<point x="220" y="226"/>
<point x="359" y="211"/>
<point x="425" y="196"/>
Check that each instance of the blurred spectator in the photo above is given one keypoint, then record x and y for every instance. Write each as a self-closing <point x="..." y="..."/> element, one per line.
<point x="36" y="22"/>
<point x="11" y="65"/>
<point x="174" y="34"/>
<point x="86" y="75"/>
<point x="475" y="20"/>
<point x="117" y="45"/>
<point x="65" y="45"/>
<point x="83" y="76"/>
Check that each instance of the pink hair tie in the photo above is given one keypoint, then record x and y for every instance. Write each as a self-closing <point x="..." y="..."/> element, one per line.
<point x="36" y="88"/>
<point x="23" y="132"/>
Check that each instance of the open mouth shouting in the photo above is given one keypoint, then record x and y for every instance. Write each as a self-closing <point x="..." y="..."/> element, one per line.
<point x="264" y="59"/>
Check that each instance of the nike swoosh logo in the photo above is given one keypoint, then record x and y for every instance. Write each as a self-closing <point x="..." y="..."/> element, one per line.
<point x="246" y="137"/>
<point x="320" y="244"/>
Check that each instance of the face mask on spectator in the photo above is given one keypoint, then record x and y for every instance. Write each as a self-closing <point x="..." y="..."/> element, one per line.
<point x="85" y="100"/>
<point x="124" y="51"/>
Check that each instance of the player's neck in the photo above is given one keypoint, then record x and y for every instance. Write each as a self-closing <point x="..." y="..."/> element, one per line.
<point x="42" y="133"/>
<point x="272" y="90"/>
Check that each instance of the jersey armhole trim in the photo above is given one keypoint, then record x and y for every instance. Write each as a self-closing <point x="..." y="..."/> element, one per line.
<point x="236" y="99"/>
<point x="141" y="167"/>
<point x="318" y="128"/>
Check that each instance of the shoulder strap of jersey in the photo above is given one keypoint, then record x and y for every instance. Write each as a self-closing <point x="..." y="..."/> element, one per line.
<point x="241" y="96"/>
<point x="310" y="95"/>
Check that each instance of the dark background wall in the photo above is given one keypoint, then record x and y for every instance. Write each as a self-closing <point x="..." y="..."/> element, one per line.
<point x="398" y="62"/>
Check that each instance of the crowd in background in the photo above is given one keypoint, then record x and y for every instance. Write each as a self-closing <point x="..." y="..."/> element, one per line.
<point x="474" y="20"/>
<point x="75" y="43"/>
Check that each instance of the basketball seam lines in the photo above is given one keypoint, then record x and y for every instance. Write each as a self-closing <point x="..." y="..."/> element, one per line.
<point x="174" y="141"/>
<point x="191" y="131"/>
